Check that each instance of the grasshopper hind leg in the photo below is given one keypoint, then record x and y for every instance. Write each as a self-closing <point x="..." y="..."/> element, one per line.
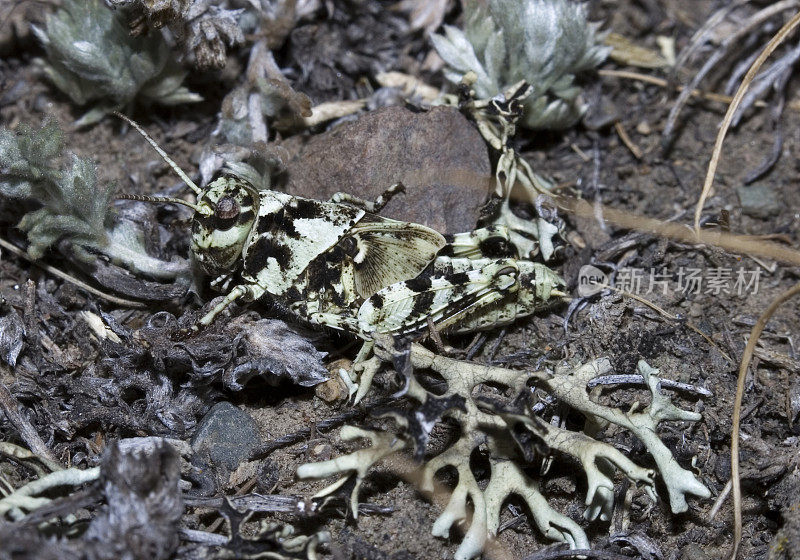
<point x="372" y="206"/>
<point x="442" y="294"/>
<point x="492" y="242"/>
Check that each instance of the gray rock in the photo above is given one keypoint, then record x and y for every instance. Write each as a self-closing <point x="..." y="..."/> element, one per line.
<point x="758" y="201"/>
<point x="438" y="155"/>
<point x="693" y="551"/>
<point x="601" y="114"/>
<point x="225" y="437"/>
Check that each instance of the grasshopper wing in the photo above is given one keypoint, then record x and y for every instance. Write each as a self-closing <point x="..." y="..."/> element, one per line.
<point x="387" y="251"/>
<point x="406" y="307"/>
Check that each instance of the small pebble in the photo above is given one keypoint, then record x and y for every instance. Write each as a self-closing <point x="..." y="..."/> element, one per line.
<point x="225" y="437"/>
<point x="601" y="115"/>
<point x="758" y="201"/>
<point x="43" y="104"/>
<point x="321" y="452"/>
<point x="334" y="388"/>
<point x="693" y="551"/>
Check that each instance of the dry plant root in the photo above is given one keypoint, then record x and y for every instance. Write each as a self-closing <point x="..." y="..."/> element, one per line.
<point x="747" y="356"/>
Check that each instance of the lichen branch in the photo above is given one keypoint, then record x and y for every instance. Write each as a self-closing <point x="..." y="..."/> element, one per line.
<point x="495" y="427"/>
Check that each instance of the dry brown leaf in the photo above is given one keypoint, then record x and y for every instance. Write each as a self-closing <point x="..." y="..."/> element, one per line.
<point x="625" y="51"/>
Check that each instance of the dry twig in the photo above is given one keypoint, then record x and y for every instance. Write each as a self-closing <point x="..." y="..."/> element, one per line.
<point x="71" y="279"/>
<point x="779" y="37"/>
<point x="747" y="355"/>
<point x="10" y="407"/>
<point x="743" y="244"/>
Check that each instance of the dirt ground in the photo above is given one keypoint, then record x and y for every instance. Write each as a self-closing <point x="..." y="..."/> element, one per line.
<point x="596" y="165"/>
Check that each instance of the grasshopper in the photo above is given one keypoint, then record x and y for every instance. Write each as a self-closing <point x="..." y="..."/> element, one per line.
<point x="338" y="264"/>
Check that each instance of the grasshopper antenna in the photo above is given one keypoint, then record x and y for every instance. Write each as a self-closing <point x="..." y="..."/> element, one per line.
<point x="163" y="154"/>
<point x="162" y="199"/>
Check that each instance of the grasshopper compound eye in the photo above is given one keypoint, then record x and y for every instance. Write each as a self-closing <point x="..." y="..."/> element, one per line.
<point x="227" y="209"/>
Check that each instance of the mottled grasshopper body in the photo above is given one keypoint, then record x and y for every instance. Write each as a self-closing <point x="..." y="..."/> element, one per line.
<point x="337" y="264"/>
<point x="321" y="260"/>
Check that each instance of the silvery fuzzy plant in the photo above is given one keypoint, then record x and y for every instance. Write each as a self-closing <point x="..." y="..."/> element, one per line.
<point x="543" y="42"/>
<point x="74" y="207"/>
<point x="94" y="60"/>
<point x="516" y="440"/>
<point x="202" y="29"/>
<point x="516" y="61"/>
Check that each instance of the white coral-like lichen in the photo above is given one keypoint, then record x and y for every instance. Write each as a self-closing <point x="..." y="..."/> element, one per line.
<point x="358" y="462"/>
<point x="496" y="429"/>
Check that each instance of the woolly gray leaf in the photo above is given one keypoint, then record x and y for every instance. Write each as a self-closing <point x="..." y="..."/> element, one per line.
<point x="12" y="331"/>
<point x="91" y="56"/>
<point x="274" y="351"/>
<point x="479" y="25"/>
<point x="494" y="56"/>
<point x="448" y="47"/>
<point x="26" y="160"/>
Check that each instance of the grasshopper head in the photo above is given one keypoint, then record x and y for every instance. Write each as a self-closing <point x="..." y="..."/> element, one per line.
<point x="538" y="285"/>
<point x="225" y="214"/>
